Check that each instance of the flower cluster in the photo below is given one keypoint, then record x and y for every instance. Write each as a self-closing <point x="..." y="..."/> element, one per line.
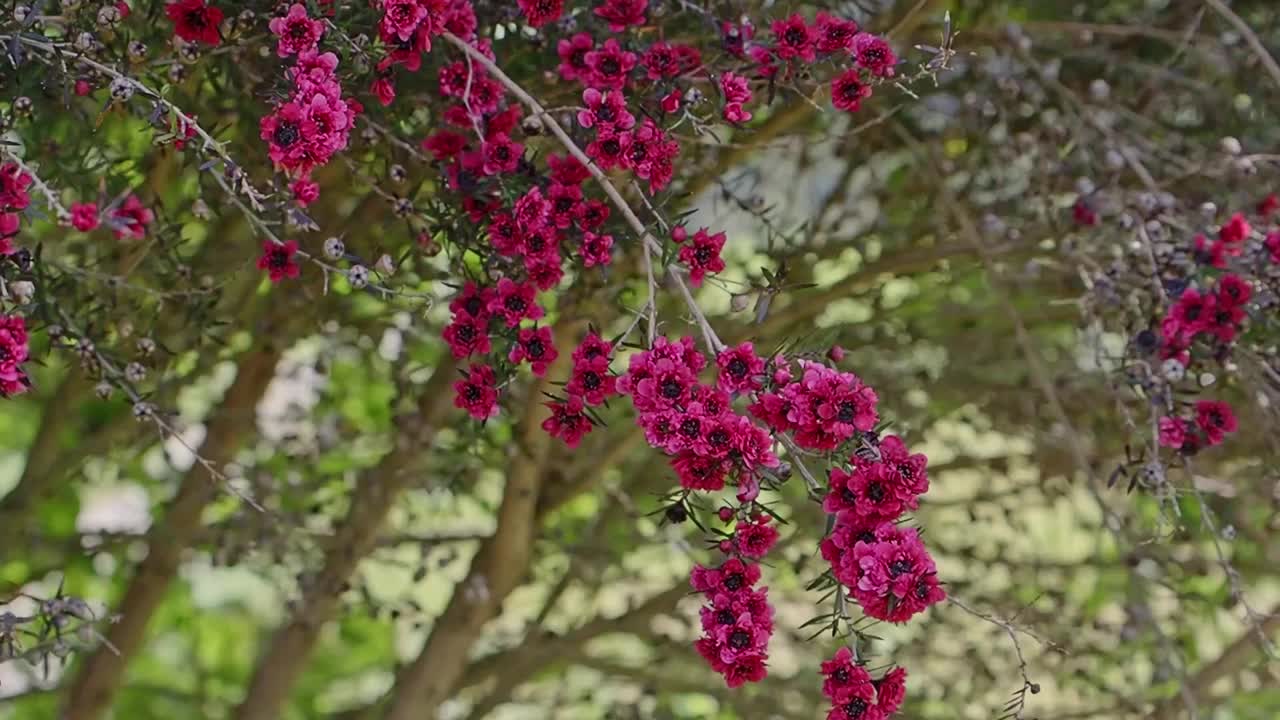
<point x="14" y="198"/>
<point x="855" y="695"/>
<point x="823" y="407"/>
<point x="591" y="383"/>
<point x="195" y="21"/>
<point x="13" y="353"/>
<point x="315" y="122"/>
<point x="737" y="620"/>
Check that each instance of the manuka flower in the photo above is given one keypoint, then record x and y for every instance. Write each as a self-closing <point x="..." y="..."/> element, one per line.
<point x="13" y="187"/>
<point x="84" y="216"/>
<point x="514" y="302"/>
<point x="595" y="249"/>
<point x="702" y="255"/>
<point x="848" y="91"/>
<point x="874" y="54"/>
<point x="573" y="56"/>
<point x="844" y="680"/>
<point x="296" y="30"/>
<point x="540" y="12"/>
<point x="194" y="21"/>
<point x="13" y="353"/>
<point x="793" y="38"/>
<point x="1215" y="419"/>
<point x="755" y="538"/>
<point x="609" y="65"/>
<point x="278" y="259"/>
<point x="131" y="219"/>
<point x="568" y="421"/>
<point x="536" y="346"/>
<point x="741" y="370"/>
<point x="477" y="392"/>
<point x="622" y="13"/>
<point x="834" y="33"/>
<point x="607" y="110"/>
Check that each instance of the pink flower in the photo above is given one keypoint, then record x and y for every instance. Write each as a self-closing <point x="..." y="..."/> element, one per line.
<point x="13" y="353"/>
<point x="84" y="216"/>
<point x="595" y="249"/>
<point x="477" y="392"/>
<point x="131" y="219"/>
<point x="844" y="680"/>
<point x="755" y="539"/>
<point x="573" y="56"/>
<point x="609" y="65"/>
<point x="622" y="13"/>
<point x="1216" y="419"/>
<point x="383" y="89"/>
<point x="1173" y="432"/>
<point x="874" y="54"/>
<point x="501" y="155"/>
<point x="568" y="421"/>
<point x="535" y="345"/>
<point x="834" y="33"/>
<point x="514" y="302"/>
<point x="702" y="255"/>
<point x="278" y="260"/>
<point x="741" y="370"/>
<point x="194" y="21"/>
<point x="13" y="187"/>
<point x="606" y="109"/>
<point x="1235" y="230"/>
<point x="848" y="91"/>
<point x="792" y="38"/>
<point x="297" y="31"/>
<point x="305" y="191"/>
<point x="541" y="12"/>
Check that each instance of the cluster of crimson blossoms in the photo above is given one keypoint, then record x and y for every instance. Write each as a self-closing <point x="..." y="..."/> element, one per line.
<point x="14" y="198"/>
<point x="1210" y="292"/>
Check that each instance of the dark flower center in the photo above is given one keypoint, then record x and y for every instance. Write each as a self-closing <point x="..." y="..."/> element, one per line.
<point x="534" y="348"/>
<point x="848" y="496"/>
<point x="906" y="471"/>
<point x="1216" y="419"/>
<point x="611" y="147"/>
<point x="690" y="427"/>
<point x="297" y="31"/>
<point x="702" y="255"/>
<point x="737" y="367"/>
<point x="855" y="708"/>
<point x="472" y="393"/>
<point x="564" y="204"/>
<point x="847" y="412"/>
<point x="794" y="36"/>
<point x="578" y="58"/>
<point x="734" y="582"/>
<point x="286" y="134"/>
<point x="922" y="591"/>
<point x="590" y="380"/>
<point x="841" y="675"/>
<point x="606" y="113"/>
<point x="898" y="567"/>
<point x="725" y="617"/>
<point x="278" y="259"/>
<point x="851" y="90"/>
<point x="718" y="438"/>
<point x="515" y="303"/>
<point x="466" y="333"/>
<point x="671" y="388"/>
<point x="866" y="536"/>
<point x="610" y="66"/>
<point x="739" y="639"/>
<point x="875" y="491"/>
<point x="873" y="56"/>
<point x="196" y="19"/>
<point x="473" y="305"/>
<point x="1193" y="312"/>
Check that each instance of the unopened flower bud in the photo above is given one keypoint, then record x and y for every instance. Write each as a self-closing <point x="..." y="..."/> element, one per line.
<point x="358" y="276"/>
<point x="1230" y="146"/>
<point x="385" y="265"/>
<point x="334" y="249"/>
<point x="23" y="291"/>
<point x="108" y="16"/>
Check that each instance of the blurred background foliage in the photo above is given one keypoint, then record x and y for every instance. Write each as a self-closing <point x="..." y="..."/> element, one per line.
<point x="1115" y="604"/>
